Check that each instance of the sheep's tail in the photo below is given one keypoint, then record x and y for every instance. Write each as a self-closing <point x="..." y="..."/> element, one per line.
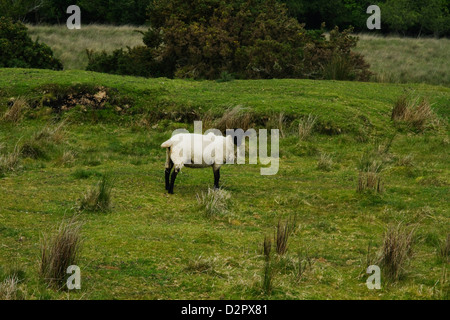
<point x="167" y="144"/>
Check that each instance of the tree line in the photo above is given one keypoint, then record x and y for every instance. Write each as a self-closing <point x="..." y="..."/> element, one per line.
<point x="406" y="17"/>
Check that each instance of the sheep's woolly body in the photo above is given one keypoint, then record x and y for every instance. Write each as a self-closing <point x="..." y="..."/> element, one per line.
<point x="215" y="150"/>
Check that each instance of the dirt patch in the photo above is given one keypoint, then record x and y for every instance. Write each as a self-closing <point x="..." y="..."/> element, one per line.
<point x="61" y="98"/>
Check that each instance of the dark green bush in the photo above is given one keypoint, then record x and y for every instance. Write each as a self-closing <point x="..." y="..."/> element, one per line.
<point x="247" y="38"/>
<point x="19" y="51"/>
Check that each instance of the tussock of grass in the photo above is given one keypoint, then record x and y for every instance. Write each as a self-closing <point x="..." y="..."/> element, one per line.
<point x="235" y="118"/>
<point x="67" y="158"/>
<point x="306" y="126"/>
<point x="406" y="160"/>
<point x="40" y="145"/>
<point x="268" y="270"/>
<point x="202" y="265"/>
<point x="417" y="113"/>
<point x="444" y="249"/>
<point x="283" y="231"/>
<point x="370" y="179"/>
<point x="396" y="251"/>
<point x="9" y="289"/>
<point x="98" y="198"/>
<point x="304" y="264"/>
<point x="15" y="113"/>
<point x="215" y="202"/>
<point x="10" y="161"/>
<point x="60" y="252"/>
<point x="325" y="162"/>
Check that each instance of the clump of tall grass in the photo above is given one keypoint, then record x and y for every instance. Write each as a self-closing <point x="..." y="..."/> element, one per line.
<point x="10" y="161"/>
<point x="15" y="113"/>
<point x="306" y="126"/>
<point x="444" y="249"/>
<point x="417" y="113"/>
<point x="9" y="289"/>
<point x="282" y="234"/>
<point x="42" y="141"/>
<point x="60" y="252"/>
<point x="370" y="179"/>
<point x="304" y="264"/>
<point x="268" y="271"/>
<point x="325" y="162"/>
<point x="405" y="161"/>
<point x="67" y="158"/>
<point x="370" y="172"/>
<point x="98" y="198"/>
<point x="215" y="202"/>
<point x="396" y="251"/>
<point x="235" y="118"/>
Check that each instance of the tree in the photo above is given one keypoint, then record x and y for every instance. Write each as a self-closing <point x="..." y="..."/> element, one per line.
<point x="435" y="16"/>
<point x="19" y="9"/>
<point x="399" y="15"/>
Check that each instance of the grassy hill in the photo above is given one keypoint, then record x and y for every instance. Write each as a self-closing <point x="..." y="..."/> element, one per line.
<point x="393" y="59"/>
<point x="154" y="246"/>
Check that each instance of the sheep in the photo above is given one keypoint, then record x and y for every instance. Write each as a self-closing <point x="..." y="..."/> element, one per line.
<point x="197" y="151"/>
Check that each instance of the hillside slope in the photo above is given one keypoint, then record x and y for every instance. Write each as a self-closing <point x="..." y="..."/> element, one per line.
<point x="154" y="246"/>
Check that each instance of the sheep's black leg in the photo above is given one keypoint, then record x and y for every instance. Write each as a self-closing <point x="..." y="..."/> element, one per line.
<point x="167" y="172"/>
<point x="172" y="181"/>
<point x="216" y="178"/>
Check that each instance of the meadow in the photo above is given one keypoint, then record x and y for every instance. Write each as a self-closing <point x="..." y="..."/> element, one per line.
<point x="393" y="59"/>
<point x="151" y="245"/>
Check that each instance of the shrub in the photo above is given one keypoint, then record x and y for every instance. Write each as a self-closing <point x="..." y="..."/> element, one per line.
<point x="19" y="51"/>
<point x="60" y="252"/>
<point x="250" y="39"/>
<point x="215" y="202"/>
<point x="137" y="61"/>
<point x="98" y="198"/>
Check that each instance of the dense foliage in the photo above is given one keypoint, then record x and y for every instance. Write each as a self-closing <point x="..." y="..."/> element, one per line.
<point x="251" y="39"/>
<point x="17" y="50"/>
<point x="410" y="17"/>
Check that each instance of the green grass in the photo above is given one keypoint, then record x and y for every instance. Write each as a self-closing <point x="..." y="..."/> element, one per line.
<point x="392" y="59"/>
<point x="70" y="45"/>
<point x="152" y="245"/>
<point x="403" y="60"/>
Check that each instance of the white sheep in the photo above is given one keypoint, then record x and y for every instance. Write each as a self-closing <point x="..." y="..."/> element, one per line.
<point x="197" y="151"/>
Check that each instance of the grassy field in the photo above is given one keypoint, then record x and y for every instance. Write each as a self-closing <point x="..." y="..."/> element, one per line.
<point x="152" y="245"/>
<point x="393" y="59"/>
